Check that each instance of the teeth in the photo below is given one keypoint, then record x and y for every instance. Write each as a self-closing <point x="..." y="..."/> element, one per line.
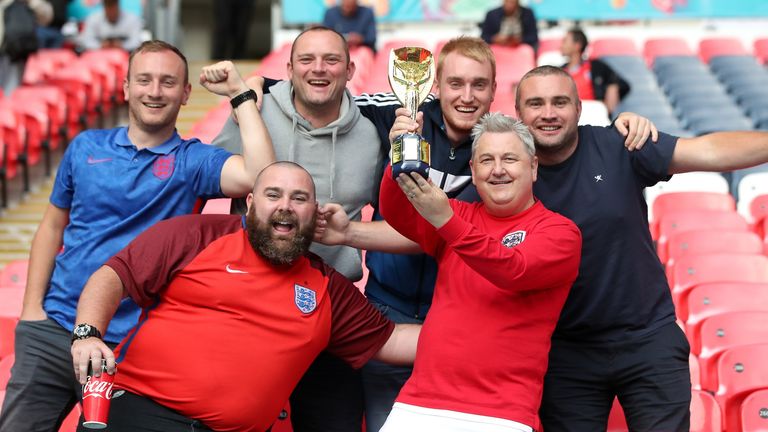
<point x="466" y="109"/>
<point x="550" y="128"/>
<point x="318" y="82"/>
<point x="154" y="105"/>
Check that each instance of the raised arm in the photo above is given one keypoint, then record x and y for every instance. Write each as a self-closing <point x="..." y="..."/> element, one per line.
<point x="98" y="303"/>
<point x="335" y="228"/>
<point x="720" y="151"/>
<point x="239" y="172"/>
<point x="45" y="246"/>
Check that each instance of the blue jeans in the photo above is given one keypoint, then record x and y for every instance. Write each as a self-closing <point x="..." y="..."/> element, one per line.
<point x="382" y="382"/>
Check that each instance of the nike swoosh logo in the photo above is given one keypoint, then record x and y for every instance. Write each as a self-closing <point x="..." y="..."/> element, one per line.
<point x="231" y="270"/>
<point x="93" y="161"/>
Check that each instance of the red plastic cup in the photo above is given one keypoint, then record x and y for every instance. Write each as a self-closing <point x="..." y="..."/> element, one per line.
<point x="97" y="395"/>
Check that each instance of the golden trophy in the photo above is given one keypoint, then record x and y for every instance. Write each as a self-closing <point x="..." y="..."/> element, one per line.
<point x="411" y="74"/>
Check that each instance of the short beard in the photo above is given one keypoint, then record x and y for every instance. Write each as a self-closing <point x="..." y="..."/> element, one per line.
<point x="276" y="251"/>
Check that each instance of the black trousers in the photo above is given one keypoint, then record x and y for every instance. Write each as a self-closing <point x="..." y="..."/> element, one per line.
<point x="650" y="376"/>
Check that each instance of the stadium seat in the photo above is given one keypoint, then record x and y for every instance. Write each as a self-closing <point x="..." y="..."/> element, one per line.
<point x="609" y="46"/>
<point x="594" y="113"/>
<point x="754" y="412"/>
<point x="14" y="274"/>
<point x="693" y="220"/>
<point x="550" y="44"/>
<point x="720" y="332"/>
<point x="515" y="62"/>
<point x="740" y="370"/>
<point x="56" y="102"/>
<point x="616" y="420"/>
<point x="695" y="368"/>
<point x="691" y="270"/>
<point x="686" y="182"/>
<point x="504" y="102"/>
<point x="750" y="186"/>
<point x="11" y="301"/>
<point x="708" y="125"/>
<point x="208" y="127"/>
<point x="712" y="298"/>
<point x="5" y="370"/>
<point x="7" y="335"/>
<point x="72" y="420"/>
<point x="761" y="49"/>
<point x="667" y="46"/>
<point x="758" y="209"/>
<point x="706" y="241"/>
<point x="719" y="46"/>
<point x="217" y="206"/>
<point x="705" y="413"/>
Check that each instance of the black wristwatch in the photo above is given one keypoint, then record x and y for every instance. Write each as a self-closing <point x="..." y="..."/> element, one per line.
<point x="84" y="331"/>
<point x="242" y="97"/>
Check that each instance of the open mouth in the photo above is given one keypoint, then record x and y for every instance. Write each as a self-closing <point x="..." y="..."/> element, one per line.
<point x="283" y="227"/>
<point x="153" y="105"/>
<point x="466" y="109"/>
<point x="550" y="128"/>
<point x="319" y="83"/>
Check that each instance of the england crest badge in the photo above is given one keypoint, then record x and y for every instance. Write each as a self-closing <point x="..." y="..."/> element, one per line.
<point x="513" y="239"/>
<point x="305" y="298"/>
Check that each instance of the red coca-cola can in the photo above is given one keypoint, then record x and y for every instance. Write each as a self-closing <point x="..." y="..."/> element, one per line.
<point x="97" y="395"/>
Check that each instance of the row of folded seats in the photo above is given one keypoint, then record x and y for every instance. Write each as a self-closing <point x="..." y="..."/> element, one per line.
<point x="61" y="94"/>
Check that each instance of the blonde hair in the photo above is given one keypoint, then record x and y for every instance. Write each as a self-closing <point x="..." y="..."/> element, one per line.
<point x="470" y="47"/>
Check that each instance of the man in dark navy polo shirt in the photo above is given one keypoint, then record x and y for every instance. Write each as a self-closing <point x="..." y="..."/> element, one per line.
<point x="617" y="334"/>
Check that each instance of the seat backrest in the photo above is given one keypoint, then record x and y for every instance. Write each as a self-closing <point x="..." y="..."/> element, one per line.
<point x="750" y="187"/>
<point x="11" y="301"/>
<point x="723" y="331"/>
<point x="708" y="241"/>
<point x="691" y="220"/>
<point x="666" y="46"/>
<point x="718" y="46"/>
<point x="761" y="49"/>
<point x="7" y="335"/>
<point x="5" y="370"/>
<point x="686" y="182"/>
<point x="608" y="46"/>
<point x="713" y="298"/>
<point x="705" y="413"/>
<point x="691" y="270"/>
<point x="754" y="412"/>
<point x="14" y="274"/>
<point x="740" y="370"/>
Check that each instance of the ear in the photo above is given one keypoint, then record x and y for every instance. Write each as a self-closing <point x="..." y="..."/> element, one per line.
<point x="249" y="201"/>
<point x="125" y="88"/>
<point x="472" y="170"/>
<point x="187" y="92"/>
<point x="351" y="67"/>
<point x="289" y="68"/>
<point x="535" y="169"/>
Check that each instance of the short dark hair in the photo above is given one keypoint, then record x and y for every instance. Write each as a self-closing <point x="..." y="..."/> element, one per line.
<point x="579" y="37"/>
<point x="544" y="70"/>
<point x="158" y="46"/>
<point x="322" y="28"/>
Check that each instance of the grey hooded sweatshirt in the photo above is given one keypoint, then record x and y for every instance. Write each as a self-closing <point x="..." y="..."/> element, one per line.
<point x="345" y="160"/>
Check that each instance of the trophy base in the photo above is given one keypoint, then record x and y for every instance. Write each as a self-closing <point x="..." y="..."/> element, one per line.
<point x="410" y="153"/>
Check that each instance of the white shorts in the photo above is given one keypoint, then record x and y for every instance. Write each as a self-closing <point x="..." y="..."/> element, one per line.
<point x="411" y="418"/>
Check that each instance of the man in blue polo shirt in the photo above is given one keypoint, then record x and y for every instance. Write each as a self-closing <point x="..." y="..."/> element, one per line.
<point x="110" y="186"/>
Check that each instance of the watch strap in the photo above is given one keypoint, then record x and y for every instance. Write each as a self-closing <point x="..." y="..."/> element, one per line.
<point x="242" y="97"/>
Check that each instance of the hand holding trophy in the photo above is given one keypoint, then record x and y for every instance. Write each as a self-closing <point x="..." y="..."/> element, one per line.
<point x="411" y="74"/>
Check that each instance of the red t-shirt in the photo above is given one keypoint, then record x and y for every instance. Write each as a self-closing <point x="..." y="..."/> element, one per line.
<point x="501" y="285"/>
<point x="224" y="335"/>
<point x="583" y="79"/>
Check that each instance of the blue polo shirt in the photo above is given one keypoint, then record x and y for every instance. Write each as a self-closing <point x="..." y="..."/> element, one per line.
<point x="114" y="191"/>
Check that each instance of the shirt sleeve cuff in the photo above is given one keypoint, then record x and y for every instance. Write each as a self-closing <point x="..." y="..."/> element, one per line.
<point x="453" y="230"/>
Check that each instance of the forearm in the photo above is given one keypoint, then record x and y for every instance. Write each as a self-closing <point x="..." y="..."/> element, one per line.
<point x="401" y="345"/>
<point x="720" y="151"/>
<point x="257" y="144"/>
<point x="611" y="99"/>
<point x="45" y="246"/>
<point x="100" y="299"/>
<point x="379" y="236"/>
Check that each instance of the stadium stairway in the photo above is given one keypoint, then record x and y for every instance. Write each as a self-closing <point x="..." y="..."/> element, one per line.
<point x="19" y="221"/>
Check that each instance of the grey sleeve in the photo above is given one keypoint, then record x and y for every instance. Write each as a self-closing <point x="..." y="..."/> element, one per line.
<point x="229" y="137"/>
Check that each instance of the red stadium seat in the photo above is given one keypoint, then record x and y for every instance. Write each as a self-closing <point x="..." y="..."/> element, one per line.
<point x="740" y="371"/>
<point x="118" y="61"/>
<point x="758" y="209"/>
<point x="761" y="50"/>
<point x="5" y="370"/>
<point x="210" y="125"/>
<point x="705" y="413"/>
<point x="514" y="62"/>
<point x="12" y="139"/>
<point x="56" y="100"/>
<point x="72" y="420"/>
<point x="695" y="368"/>
<point x="616" y="420"/>
<point x="668" y="202"/>
<point x="665" y="46"/>
<point x="693" y="220"/>
<point x="550" y="44"/>
<point x="7" y="335"/>
<point x="719" y="46"/>
<point x="217" y="206"/>
<point x="691" y="270"/>
<point x="754" y="412"/>
<point x="720" y="332"/>
<point x="11" y="301"/>
<point x="14" y="274"/>
<point x="504" y="102"/>
<point x="612" y="47"/>
<point x="702" y="242"/>
<point x="713" y="298"/>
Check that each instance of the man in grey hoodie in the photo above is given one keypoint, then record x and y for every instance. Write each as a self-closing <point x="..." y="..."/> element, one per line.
<point x="313" y="121"/>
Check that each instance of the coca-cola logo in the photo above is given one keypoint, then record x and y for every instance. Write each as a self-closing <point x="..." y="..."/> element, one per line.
<point x="95" y="387"/>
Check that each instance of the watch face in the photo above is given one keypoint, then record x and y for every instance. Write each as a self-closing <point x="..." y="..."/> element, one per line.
<point x="82" y="330"/>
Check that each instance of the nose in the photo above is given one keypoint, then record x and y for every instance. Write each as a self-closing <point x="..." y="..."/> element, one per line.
<point x="497" y="169"/>
<point x="466" y="94"/>
<point x="318" y="66"/>
<point x="154" y="89"/>
<point x="548" y="111"/>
